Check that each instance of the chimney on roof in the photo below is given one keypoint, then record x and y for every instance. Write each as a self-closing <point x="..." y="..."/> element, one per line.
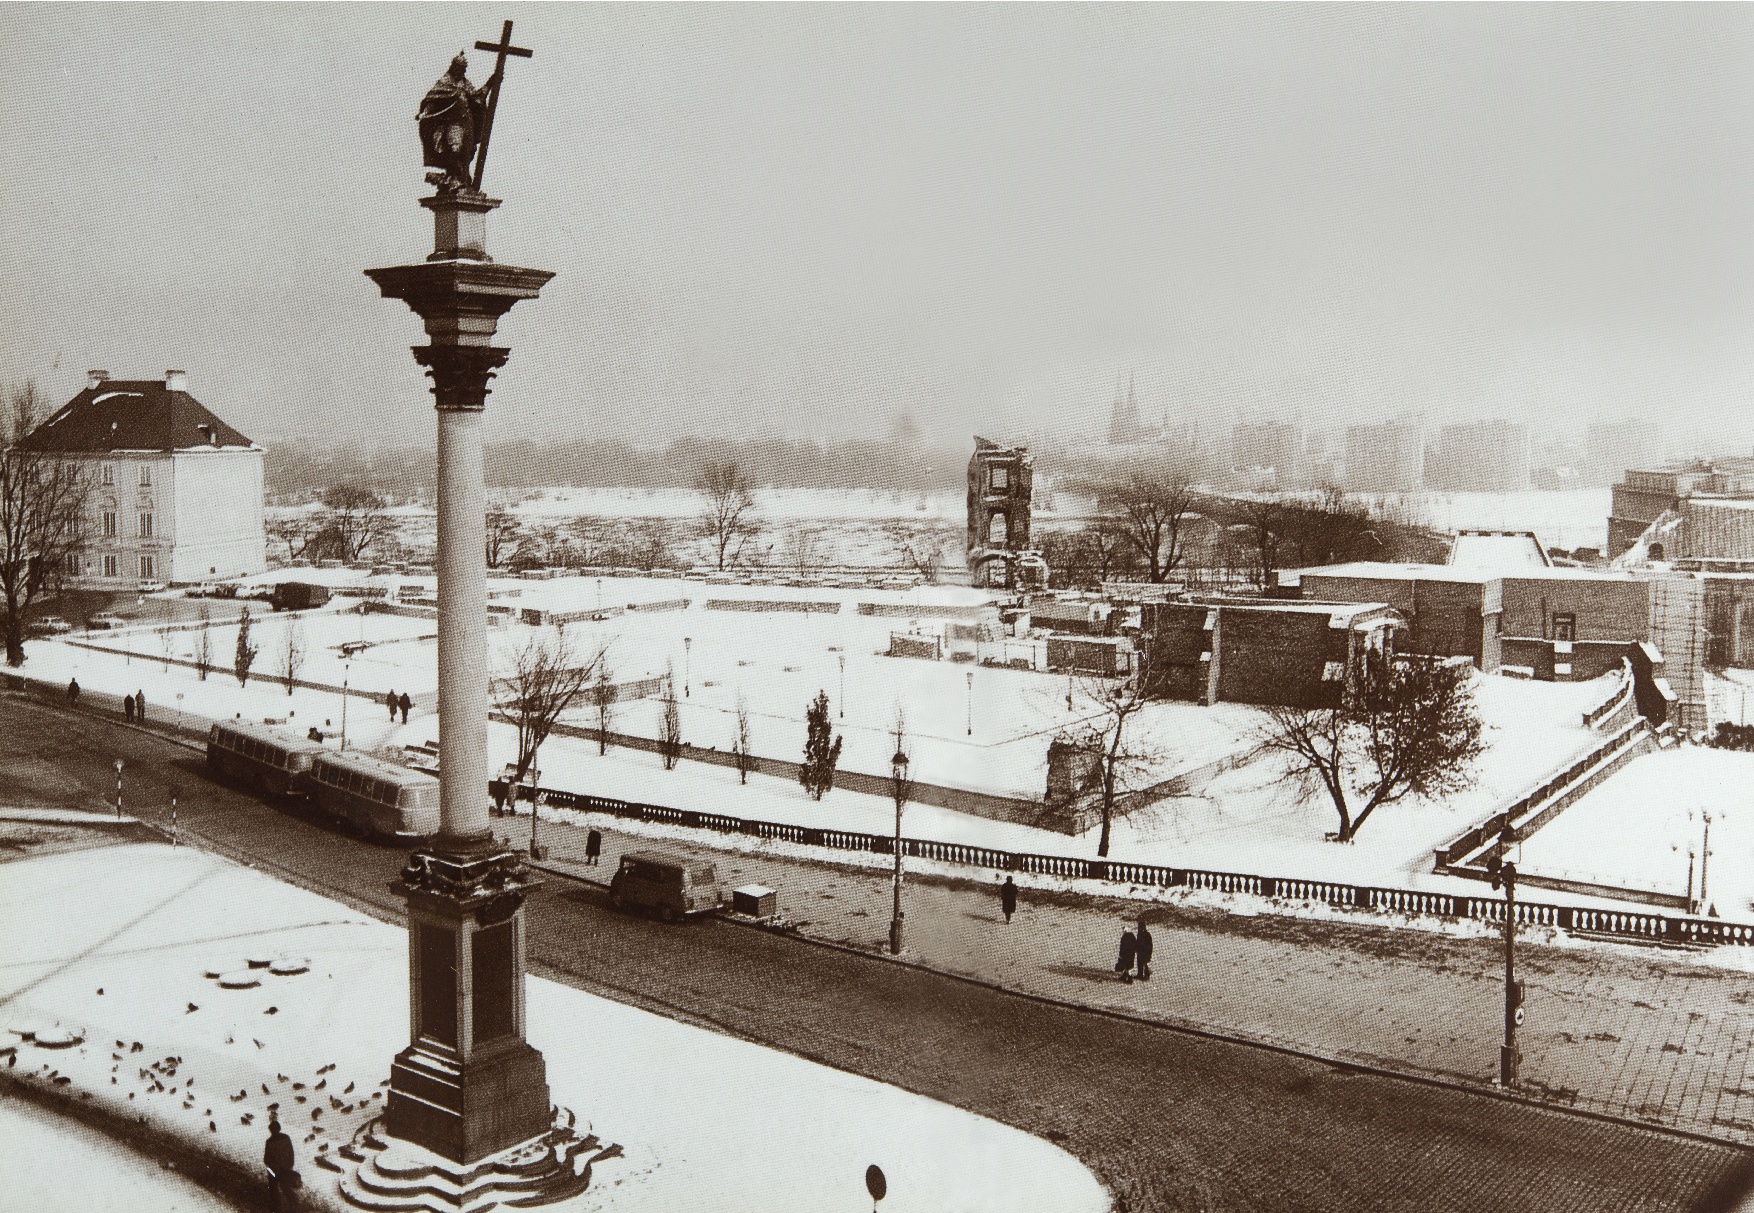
<point x="176" y="381"/>
<point x="207" y="433"/>
<point x="96" y="379"/>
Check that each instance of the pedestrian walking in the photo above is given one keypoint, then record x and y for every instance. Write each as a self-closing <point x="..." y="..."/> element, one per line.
<point x="593" y="847"/>
<point x="1008" y="898"/>
<point x="405" y="703"/>
<point x="1144" y="947"/>
<point x="1129" y="953"/>
<point x="73" y="690"/>
<point x="140" y="705"/>
<point x="391" y="702"/>
<point x="128" y="708"/>
<point x="283" y="1177"/>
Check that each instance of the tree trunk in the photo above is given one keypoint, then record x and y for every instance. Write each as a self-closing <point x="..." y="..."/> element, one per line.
<point x="1108" y="810"/>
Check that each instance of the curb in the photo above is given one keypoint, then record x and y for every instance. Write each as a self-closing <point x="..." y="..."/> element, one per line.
<point x="1375" y="1069"/>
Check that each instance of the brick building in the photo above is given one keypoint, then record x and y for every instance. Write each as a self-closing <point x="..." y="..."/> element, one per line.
<point x="1449" y="612"/>
<point x="1000" y="484"/>
<point x="175" y="493"/>
<point x="1714" y="502"/>
<point x="1297" y="654"/>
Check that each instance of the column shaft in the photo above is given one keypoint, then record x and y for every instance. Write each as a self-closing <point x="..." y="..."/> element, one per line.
<point x="462" y="629"/>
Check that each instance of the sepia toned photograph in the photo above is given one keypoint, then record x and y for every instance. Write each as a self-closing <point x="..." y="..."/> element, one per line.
<point x="942" y="608"/>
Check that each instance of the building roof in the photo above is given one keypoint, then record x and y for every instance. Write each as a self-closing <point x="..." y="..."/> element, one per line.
<point x="133" y="415"/>
<point x="1384" y="571"/>
<point x="1504" y="552"/>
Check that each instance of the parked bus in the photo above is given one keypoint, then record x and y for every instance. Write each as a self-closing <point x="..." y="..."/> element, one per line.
<point x="374" y="796"/>
<point x="257" y="755"/>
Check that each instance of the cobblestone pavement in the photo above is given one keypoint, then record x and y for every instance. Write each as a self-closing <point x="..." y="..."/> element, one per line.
<point x="1168" y="1120"/>
<point x="1641" y="1033"/>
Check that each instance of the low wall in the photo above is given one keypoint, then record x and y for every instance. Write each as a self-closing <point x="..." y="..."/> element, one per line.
<point x="794" y="605"/>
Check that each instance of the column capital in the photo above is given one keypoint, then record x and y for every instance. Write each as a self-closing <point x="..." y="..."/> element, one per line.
<point x="460" y="374"/>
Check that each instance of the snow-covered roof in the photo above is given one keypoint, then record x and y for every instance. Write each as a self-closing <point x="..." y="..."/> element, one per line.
<point x="134" y="415"/>
<point x="1384" y="571"/>
<point x="1498" y="552"/>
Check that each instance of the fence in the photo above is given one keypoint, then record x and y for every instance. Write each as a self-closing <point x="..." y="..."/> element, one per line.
<point x="1451" y="906"/>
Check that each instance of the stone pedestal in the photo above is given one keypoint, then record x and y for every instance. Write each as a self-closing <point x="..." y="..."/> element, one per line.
<point x="468" y="1085"/>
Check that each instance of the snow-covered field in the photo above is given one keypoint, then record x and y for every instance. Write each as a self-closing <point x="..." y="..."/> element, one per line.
<point x="1645" y="829"/>
<point x="705" y="1121"/>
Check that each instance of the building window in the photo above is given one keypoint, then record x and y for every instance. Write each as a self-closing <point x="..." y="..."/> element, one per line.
<point x="109" y="476"/>
<point x="109" y="524"/>
<point x="146" y="475"/>
<point x="1333" y="671"/>
<point x="1564" y="627"/>
<point x="1000" y="479"/>
<point x="73" y="564"/>
<point x="146" y="526"/>
<point x="148" y="568"/>
<point x="997" y="530"/>
<point x="110" y="565"/>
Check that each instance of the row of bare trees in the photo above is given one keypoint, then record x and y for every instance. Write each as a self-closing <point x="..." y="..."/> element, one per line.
<point x="351" y="521"/>
<point x="42" y="515"/>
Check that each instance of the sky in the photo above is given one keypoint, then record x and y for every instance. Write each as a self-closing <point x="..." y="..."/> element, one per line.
<point x="804" y="221"/>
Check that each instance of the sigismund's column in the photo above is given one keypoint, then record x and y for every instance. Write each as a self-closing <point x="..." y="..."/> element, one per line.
<point x="468" y="1085"/>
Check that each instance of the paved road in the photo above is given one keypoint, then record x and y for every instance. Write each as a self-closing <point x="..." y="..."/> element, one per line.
<point x="1169" y="1121"/>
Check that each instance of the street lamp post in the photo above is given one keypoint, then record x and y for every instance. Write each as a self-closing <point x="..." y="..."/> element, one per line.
<point x="899" y="783"/>
<point x="971" y="703"/>
<point x="843" y="686"/>
<point x="179" y="711"/>
<point x="687" y="665"/>
<point x="346" y="674"/>
<point x="118" y="787"/>
<point x="1704" y="861"/>
<point x="1504" y="872"/>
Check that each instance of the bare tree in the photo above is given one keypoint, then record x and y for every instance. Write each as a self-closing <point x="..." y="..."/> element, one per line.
<point x="670" y="728"/>
<point x="356" y="518"/>
<point x="204" y="645"/>
<point x="297" y="531"/>
<point x="801" y="549"/>
<point x="291" y="658"/>
<point x="1119" y="757"/>
<point x="1154" y="510"/>
<point x="918" y="548"/>
<point x="548" y="674"/>
<point x="42" y="512"/>
<point x="244" y="655"/>
<point x="603" y="696"/>
<point x="1401" y="728"/>
<point x="166" y="632"/>
<point x="740" y="748"/>
<point x="1264" y="519"/>
<point x="727" y="517"/>
<point x="502" y="535"/>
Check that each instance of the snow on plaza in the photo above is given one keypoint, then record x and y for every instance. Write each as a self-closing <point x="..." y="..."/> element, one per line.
<point x="1246" y="819"/>
<point x="128" y="1003"/>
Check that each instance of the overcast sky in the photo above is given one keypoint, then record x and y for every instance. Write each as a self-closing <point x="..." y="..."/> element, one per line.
<point x="805" y="220"/>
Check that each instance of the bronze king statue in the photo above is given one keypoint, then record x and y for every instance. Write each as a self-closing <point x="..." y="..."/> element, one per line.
<point x="452" y="117"/>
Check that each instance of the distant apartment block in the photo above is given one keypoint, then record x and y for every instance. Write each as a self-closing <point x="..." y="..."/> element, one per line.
<point x="1385" y="458"/>
<point x="1480" y="457"/>
<point x="1270" y="445"/>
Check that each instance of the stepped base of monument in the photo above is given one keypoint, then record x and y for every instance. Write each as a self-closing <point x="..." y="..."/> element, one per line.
<point x="397" y="1176"/>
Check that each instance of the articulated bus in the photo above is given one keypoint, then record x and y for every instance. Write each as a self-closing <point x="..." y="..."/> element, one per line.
<point x="374" y="796"/>
<point x="257" y="755"/>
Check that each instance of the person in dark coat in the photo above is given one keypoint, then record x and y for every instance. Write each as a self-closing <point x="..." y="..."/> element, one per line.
<point x="128" y="708"/>
<point x="1145" y="947"/>
<point x="593" y="847"/>
<point x="73" y="690"/>
<point x="1008" y="898"/>
<point x="391" y="702"/>
<point x="140" y="704"/>
<point x="283" y="1178"/>
<point x="1129" y="953"/>
<point x="405" y="703"/>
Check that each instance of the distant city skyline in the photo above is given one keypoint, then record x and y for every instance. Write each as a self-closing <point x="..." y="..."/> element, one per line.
<point x="810" y="220"/>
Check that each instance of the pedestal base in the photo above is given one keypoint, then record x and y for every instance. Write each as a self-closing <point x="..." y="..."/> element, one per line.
<point x="391" y="1174"/>
<point x="465" y="1110"/>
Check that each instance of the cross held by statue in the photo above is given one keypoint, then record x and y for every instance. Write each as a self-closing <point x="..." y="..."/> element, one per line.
<point x="502" y="48"/>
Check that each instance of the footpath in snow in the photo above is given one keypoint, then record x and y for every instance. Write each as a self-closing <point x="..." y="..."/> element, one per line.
<point x="195" y="995"/>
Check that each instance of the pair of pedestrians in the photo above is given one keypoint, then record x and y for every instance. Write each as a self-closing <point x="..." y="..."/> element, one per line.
<point x="134" y="706"/>
<point x="1137" y="948"/>
<point x="398" y="702"/>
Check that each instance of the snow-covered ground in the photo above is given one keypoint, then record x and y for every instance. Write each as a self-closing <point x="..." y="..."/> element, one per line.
<point x="53" y="1164"/>
<point x="705" y="1121"/>
<point x="1251" y="819"/>
<point x="1565" y="518"/>
<point x="1644" y="828"/>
